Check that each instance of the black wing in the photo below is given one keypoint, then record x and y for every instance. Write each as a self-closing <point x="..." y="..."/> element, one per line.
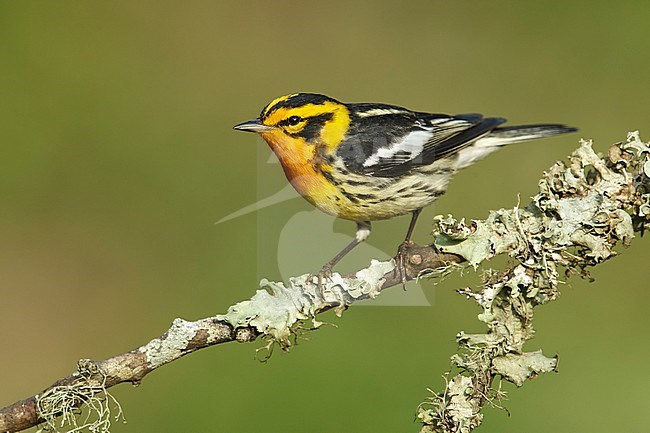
<point x="389" y="141"/>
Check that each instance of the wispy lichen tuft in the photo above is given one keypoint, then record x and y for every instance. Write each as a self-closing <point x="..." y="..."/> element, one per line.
<point x="84" y="405"/>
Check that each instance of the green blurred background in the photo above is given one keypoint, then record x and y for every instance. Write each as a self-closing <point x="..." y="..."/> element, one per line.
<point x="117" y="158"/>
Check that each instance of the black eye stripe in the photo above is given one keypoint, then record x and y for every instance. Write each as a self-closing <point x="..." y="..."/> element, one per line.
<point x="291" y="121"/>
<point x="313" y="125"/>
<point x="319" y="119"/>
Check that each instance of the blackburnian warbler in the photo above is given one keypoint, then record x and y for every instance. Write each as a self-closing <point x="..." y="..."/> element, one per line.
<point x="365" y="162"/>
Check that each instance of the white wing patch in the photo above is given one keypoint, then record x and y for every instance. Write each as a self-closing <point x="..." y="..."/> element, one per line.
<point x="441" y="120"/>
<point x="408" y="148"/>
<point x="380" y="112"/>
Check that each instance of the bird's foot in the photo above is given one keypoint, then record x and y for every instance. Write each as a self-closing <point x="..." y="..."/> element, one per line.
<point x="323" y="276"/>
<point x="401" y="258"/>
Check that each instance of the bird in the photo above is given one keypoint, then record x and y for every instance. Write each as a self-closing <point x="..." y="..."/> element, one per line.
<point x="366" y="162"/>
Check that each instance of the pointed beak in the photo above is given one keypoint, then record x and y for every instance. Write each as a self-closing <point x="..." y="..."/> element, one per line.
<point x="252" y="126"/>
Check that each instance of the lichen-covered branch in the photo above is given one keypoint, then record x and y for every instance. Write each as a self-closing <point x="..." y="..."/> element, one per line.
<point x="583" y="209"/>
<point x="275" y="311"/>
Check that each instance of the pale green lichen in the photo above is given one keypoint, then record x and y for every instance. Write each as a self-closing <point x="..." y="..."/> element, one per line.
<point x="276" y="308"/>
<point x="582" y="211"/>
<point x="469" y="241"/>
<point x="160" y="350"/>
<point x="455" y="410"/>
<point x="517" y="368"/>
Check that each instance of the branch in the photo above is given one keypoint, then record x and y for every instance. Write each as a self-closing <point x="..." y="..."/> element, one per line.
<point x="582" y="210"/>
<point x="276" y="317"/>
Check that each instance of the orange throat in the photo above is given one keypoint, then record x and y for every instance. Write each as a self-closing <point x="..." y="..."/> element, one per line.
<point x="297" y="159"/>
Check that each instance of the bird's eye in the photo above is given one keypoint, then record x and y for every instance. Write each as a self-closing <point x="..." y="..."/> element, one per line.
<point x="294" y="120"/>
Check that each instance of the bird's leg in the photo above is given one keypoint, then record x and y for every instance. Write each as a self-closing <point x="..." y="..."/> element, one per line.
<point x="407" y="241"/>
<point x="363" y="231"/>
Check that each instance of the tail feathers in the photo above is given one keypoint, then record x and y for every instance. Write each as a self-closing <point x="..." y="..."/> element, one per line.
<point x="507" y="135"/>
<point x="515" y="134"/>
